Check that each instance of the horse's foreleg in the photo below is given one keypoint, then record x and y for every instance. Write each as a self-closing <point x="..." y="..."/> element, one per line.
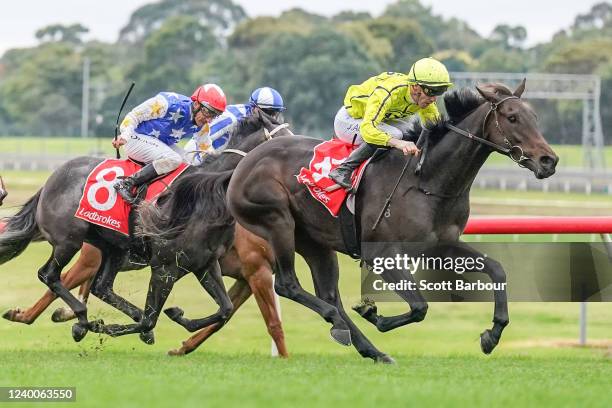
<point x="490" y="337"/>
<point x="238" y="293"/>
<point x="418" y="305"/>
<point x="212" y="281"/>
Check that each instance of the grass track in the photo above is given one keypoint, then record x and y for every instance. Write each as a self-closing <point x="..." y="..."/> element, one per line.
<point x="439" y="361"/>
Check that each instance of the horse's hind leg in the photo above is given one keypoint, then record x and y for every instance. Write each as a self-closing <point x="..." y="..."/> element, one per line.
<point x="81" y="273"/>
<point x="102" y="288"/>
<point x="162" y="281"/>
<point x="212" y="281"/>
<point x="323" y="265"/>
<point x="238" y="293"/>
<point x="49" y="274"/>
<point x="255" y="258"/>
<point x="78" y="274"/>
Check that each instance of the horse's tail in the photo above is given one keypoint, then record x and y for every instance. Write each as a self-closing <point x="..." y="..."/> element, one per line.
<point x="195" y="197"/>
<point x="19" y="230"/>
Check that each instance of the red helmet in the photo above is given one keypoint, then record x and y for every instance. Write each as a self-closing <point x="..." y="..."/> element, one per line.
<point x="211" y="96"/>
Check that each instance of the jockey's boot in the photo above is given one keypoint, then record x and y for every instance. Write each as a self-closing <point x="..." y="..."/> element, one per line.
<point x="342" y="174"/>
<point x="125" y="186"/>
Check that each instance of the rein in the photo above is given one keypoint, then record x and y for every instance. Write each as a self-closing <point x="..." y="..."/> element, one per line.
<point x="506" y="151"/>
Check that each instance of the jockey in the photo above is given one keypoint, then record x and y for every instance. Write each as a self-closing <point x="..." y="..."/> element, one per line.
<point x="152" y="129"/>
<point x="267" y="99"/>
<point x="371" y="108"/>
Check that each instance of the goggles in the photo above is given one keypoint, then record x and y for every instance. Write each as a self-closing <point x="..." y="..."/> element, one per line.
<point x="433" y="90"/>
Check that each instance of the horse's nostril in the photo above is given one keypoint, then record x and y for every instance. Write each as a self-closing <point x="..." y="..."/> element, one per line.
<point x="547" y="161"/>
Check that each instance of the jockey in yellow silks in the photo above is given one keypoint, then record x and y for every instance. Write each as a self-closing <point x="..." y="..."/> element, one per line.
<point x="373" y="110"/>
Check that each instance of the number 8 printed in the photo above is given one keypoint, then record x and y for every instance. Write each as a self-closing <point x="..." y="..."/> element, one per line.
<point x="108" y="186"/>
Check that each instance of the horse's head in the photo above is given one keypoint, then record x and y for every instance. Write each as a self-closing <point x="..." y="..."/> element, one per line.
<point x="255" y="129"/>
<point x="512" y="123"/>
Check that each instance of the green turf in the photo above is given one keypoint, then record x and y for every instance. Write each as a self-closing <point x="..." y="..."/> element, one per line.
<point x="439" y="360"/>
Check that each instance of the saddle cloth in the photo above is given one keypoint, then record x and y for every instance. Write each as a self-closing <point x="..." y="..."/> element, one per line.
<point x="327" y="156"/>
<point x="101" y="205"/>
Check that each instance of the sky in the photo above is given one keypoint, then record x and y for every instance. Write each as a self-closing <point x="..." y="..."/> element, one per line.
<point x="20" y="19"/>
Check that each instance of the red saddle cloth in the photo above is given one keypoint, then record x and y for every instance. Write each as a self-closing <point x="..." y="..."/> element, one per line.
<point x="327" y="156"/>
<point x="101" y="205"/>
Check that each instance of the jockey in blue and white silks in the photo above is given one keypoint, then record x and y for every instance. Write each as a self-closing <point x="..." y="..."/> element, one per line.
<point x="150" y="132"/>
<point x="220" y="130"/>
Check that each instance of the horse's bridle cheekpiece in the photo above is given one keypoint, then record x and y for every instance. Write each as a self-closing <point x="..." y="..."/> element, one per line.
<point x="268" y="134"/>
<point x="515" y="152"/>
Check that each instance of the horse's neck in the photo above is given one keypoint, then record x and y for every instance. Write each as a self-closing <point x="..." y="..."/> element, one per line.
<point x="453" y="163"/>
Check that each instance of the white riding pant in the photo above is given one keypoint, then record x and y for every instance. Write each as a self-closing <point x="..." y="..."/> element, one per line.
<point x="148" y="149"/>
<point x="347" y="128"/>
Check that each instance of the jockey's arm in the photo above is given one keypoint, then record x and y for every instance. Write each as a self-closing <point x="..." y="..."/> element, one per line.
<point x="376" y="108"/>
<point x="152" y="108"/>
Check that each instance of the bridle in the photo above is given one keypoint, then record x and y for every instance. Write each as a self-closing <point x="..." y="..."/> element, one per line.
<point x="269" y="135"/>
<point x="515" y="152"/>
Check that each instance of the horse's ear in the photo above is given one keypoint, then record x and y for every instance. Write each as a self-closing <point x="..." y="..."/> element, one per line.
<point x="489" y="95"/>
<point x="521" y="88"/>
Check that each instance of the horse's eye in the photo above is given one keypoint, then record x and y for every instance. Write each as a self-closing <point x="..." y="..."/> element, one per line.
<point x="512" y="118"/>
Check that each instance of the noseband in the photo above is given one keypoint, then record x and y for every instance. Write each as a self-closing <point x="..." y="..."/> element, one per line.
<point x="515" y="152"/>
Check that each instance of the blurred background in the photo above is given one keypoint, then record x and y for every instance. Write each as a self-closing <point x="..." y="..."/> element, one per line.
<point x="61" y="84"/>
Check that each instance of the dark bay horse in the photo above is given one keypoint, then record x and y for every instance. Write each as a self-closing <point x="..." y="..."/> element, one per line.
<point x="49" y="216"/>
<point x="182" y="240"/>
<point x="265" y="197"/>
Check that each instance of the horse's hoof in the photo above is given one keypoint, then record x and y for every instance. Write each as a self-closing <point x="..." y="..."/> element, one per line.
<point x="62" y="314"/>
<point x="10" y="314"/>
<point x="176" y="352"/>
<point x="97" y="326"/>
<point x="147" y="337"/>
<point x="487" y="342"/>
<point x="385" y="359"/>
<point x="174" y="313"/>
<point x="78" y="332"/>
<point x="366" y="308"/>
<point x="341" y="336"/>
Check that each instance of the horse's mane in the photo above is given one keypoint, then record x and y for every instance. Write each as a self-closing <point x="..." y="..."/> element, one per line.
<point x="245" y="127"/>
<point x="458" y="103"/>
<point x="198" y="191"/>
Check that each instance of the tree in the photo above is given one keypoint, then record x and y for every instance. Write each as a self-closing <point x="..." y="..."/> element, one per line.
<point x="170" y="53"/>
<point x="313" y="73"/>
<point x="62" y="33"/>
<point x="509" y="37"/>
<point x="221" y="16"/>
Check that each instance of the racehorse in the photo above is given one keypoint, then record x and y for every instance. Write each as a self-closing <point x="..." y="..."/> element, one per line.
<point x="183" y="240"/>
<point x="265" y="197"/>
<point x="36" y="221"/>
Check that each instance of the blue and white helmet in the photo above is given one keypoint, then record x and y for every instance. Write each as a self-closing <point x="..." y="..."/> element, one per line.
<point x="267" y="98"/>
